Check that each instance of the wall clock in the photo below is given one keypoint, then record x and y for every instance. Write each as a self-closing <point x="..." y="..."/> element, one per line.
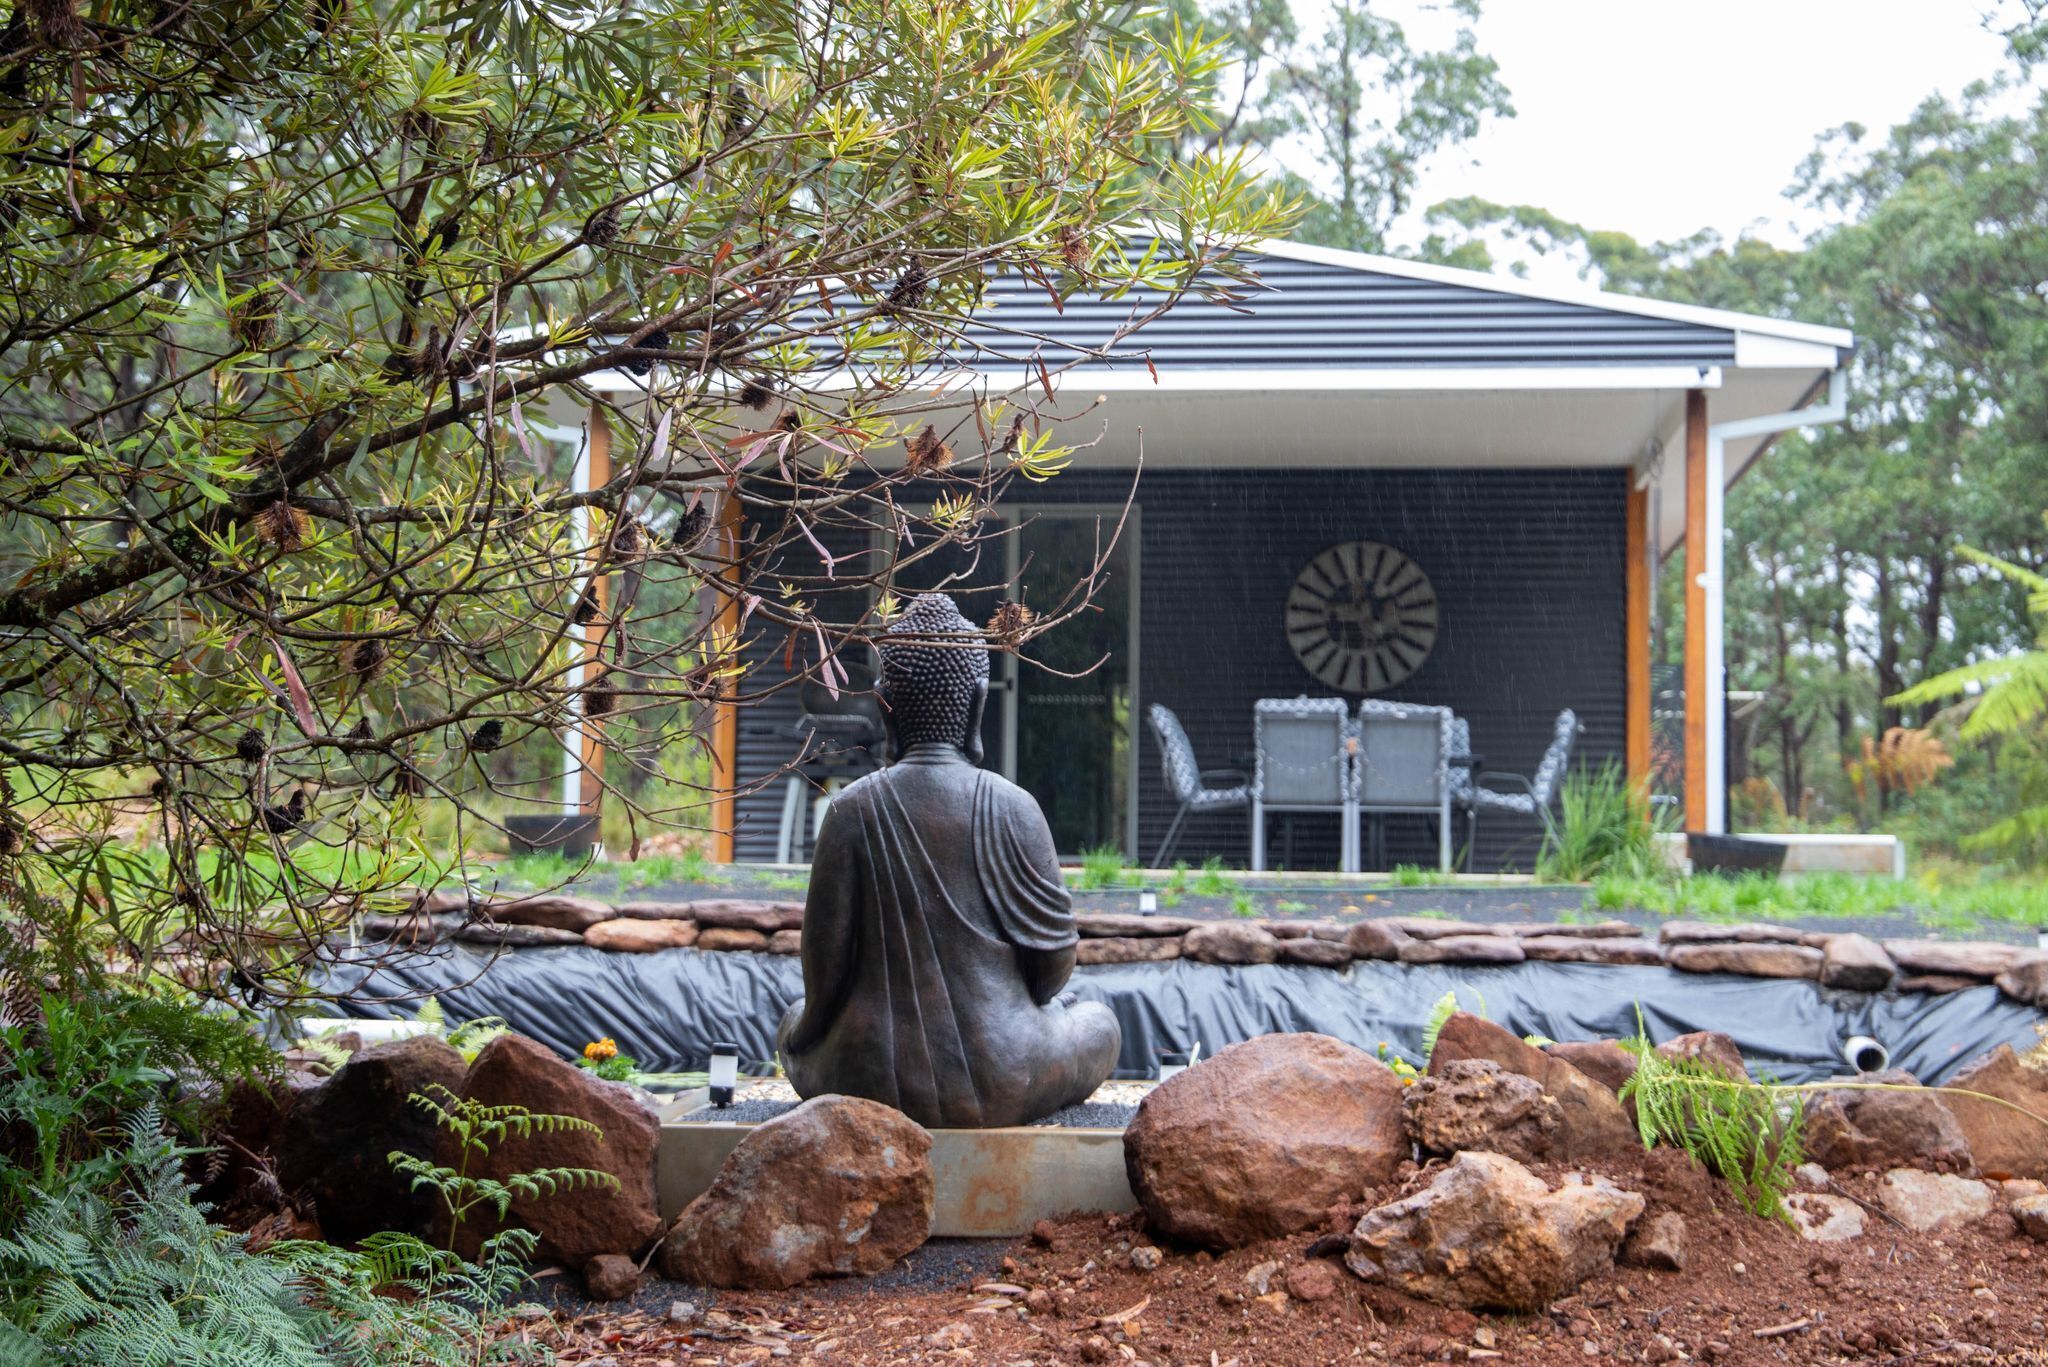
<point x="1361" y="616"/>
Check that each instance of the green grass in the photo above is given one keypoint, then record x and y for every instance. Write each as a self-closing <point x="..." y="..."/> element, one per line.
<point x="1937" y="902"/>
<point x="1211" y="881"/>
<point x="1243" y="904"/>
<point x="1104" y="867"/>
<point x="1416" y="876"/>
<point x="1603" y="827"/>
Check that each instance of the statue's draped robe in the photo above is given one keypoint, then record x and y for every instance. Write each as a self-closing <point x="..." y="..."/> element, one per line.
<point x="937" y="935"/>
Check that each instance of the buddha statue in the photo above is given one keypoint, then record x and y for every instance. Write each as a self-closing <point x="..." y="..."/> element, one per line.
<point x="938" y="934"/>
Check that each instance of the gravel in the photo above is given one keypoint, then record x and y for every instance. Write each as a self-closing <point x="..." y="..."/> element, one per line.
<point x="1095" y="1115"/>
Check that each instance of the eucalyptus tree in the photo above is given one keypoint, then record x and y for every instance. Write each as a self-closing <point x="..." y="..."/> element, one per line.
<point x="289" y="286"/>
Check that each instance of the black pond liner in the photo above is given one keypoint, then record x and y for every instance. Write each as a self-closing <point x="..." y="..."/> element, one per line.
<point x="667" y="1008"/>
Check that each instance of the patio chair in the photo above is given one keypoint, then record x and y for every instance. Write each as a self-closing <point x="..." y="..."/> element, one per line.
<point x="1301" y="762"/>
<point x="1402" y="766"/>
<point x="1188" y="782"/>
<point x="1537" y="794"/>
<point x="840" y="739"/>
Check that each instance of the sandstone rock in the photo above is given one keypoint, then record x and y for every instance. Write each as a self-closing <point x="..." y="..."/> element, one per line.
<point x="1312" y="1281"/>
<point x="2004" y="1142"/>
<point x="786" y="942"/>
<point x="736" y="914"/>
<point x="1984" y="959"/>
<point x="1606" y="1062"/>
<point x="1304" y="930"/>
<point x="1487" y="1233"/>
<point x="840" y="1186"/>
<point x="1263" y="1139"/>
<point x="657" y="911"/>
<point x="1437" y="927"/>
<point x="1575" y="950"/>
<point x="552" y="910"/>
<point x="1591" y="1121"/>
<point x="1475" y="1103"/>
<point x="2026" y="981"/>
<point x="411" y="928"/>
<point x="1853" y="1129"/>
<point x="1124" y="925"/>
<point x="1126" y="949"/>
<point x="726" y="938"/>
<point x="1928" y="1201"/>
<point x="641" y="936"/>
<point x="2030" y="1213"/>
<point x="1656" y="1242"/>
<point x="337" y="1137"/>
<point x="1594" y="930"/>
<point x="1825" y="1219"/>
<point x="1711" y="1047"/>
<point x="1856" y="963"/>
<point x="576" y="1224"/>
<point x="516" y="936"/>
<point x="1757" y="960"/>
<point x="1715" y="932"/>
<point x="2019" y="1188"/>
<point x="1464" y="949"/>
<point x="443" y="900"/>
<point x="1229" y="942"/>
<point x="611" y="1277"/>
<point x="1315" y="951"/>
<point x="1375" y="940"/>
<point x="1936" y="983"/>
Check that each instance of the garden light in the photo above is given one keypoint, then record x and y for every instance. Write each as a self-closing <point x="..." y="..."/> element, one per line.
<point x="1172" y="1062"/>
<point x="725" y="1073"/>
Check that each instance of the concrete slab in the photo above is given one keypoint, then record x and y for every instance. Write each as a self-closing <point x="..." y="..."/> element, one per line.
<point x="986" y="1183"/>
<point x="1882" y="856"/>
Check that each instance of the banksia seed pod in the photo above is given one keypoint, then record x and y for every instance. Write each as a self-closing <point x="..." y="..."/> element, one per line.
<point x="927" y="451"/>
<point x="755" y="394"/>
<point x="908" y="291"/>
<point x="159" y="788"/>
<point x="790" y="421"/>
<point x="587" y="608"/>
<point x="283" y="526"/>
<point x="1014" y="438"/>
<point x="361" y="730"/>
<point x="629" y="538"/>
<point x="1010" y="621"/>
<point x="656" y="340"/>
<point x="1074" y="247"/>
<point x="364" y="658"/>
<point x="406" y="781"/>
<point x="691" y="527"/>
<point x="600" y="700"/>
<point x="10" y="838"/>
<point x="603" y="228"/>
<point x="726" y="335"/>
<point x="251" y="749"/>
<point x="285" y="819"/>
<point x="487" y="737"/>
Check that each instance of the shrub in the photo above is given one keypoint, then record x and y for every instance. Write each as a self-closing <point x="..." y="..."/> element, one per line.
<point x="1603" y="827"/>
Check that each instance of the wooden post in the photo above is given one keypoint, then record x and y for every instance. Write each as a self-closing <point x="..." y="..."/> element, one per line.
<point x="725" y="714"/>
<point x="1695" y="610"/>
<point x="599" y="474"/>
<point x="1636" y="628"/>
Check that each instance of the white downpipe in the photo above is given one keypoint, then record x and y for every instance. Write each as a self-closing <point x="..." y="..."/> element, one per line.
<point x="572" y="733"/>
<point x="1714" y="581"/>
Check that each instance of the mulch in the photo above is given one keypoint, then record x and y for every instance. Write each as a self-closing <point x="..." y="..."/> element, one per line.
<point x="1752" y="1292"/>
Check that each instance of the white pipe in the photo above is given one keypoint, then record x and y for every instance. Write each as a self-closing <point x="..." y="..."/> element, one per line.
<point x="572" y="734"/>
<point x="1865" y="1054"/>
<point x="1713" y="579"/>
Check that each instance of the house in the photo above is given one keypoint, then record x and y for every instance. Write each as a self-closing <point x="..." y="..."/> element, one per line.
<point x="1539" y="454"/>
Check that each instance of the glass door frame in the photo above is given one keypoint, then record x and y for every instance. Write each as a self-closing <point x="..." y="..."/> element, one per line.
<point x="1003" y="680"/>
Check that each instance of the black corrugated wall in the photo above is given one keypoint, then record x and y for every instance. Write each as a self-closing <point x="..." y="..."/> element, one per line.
<point x="1528" y="567"/>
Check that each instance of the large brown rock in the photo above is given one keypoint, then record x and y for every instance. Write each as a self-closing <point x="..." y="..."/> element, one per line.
<point x="786" y="942"/>
<point x="1856" y="963"/>
<point x="1711" y="1047"/>
<point x="516" y="936"/>
<point x="2026" y="981"/>
<point x="1720" y="932"/>
<point x="1756" y="960"/>
<point x="1606" y="1062"/>
<point x="1125" y="925"/>
<point x="338" y="1138"/>
<point x="729" y="939"/>
<point x="1857" y="1129"/>
<point x="1573" y="949"/>
<point x="1263" y="1139"/>
<point x="1437" y="927"/>
<point x="1229" y="942"/>
<point x="658" y="911"/>
<point x="641" y="936"/>
<point x="1984" y="959"/>
<point x="735" y="914"/>
<point x="1127" y="949"/>
<point x="838" y="1187"/>
<point x="552" y="910"/>
<point x="1291" y="929"/>
<point x="1931" y="1201"/>
<point x="2004" y="1142"/>
<point x="1488" y="1234"/>
<point x="412" y="928"/>
<point x="1315" y="951"/>
<point x="1464" y="949"/>
<point x="1375" y="940"/>
<point x="1591" y="1121"/>
<point x="575" y="1223"/>
<point x="1475" y="1103"/>
<point x="1590" y="930"/>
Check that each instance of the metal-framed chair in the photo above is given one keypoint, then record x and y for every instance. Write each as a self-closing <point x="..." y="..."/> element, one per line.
<point x="1188" y="782"/>
<point x="1403" y="767"/>
<point x="841" y="740"/>
<point x="1537" y="794"/>
<point x="1301" y="762"/>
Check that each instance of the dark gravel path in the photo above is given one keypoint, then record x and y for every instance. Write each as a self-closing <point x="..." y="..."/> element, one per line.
<point x="1088" y="1115"/>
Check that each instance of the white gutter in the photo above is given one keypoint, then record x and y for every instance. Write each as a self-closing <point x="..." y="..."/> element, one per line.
<point x="1713" y="580"/>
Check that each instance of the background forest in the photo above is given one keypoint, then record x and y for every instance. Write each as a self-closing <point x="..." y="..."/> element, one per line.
<point x="1857" y="553"/>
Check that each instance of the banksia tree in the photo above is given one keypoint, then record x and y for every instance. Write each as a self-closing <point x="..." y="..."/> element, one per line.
<point x="247" y="410"/>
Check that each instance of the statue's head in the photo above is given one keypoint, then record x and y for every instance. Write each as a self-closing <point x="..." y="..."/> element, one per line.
<point x="933" y="692"/>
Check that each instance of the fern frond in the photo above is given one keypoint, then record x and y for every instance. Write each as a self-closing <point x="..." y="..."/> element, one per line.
<point x="1745" y="1132"/>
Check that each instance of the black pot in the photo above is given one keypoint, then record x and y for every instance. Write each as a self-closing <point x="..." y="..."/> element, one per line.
<point x="552" y="833"/>
<point x="1733" y="854"/>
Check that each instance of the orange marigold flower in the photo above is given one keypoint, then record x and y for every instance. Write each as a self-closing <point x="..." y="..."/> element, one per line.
<point x="601" y="1049"/>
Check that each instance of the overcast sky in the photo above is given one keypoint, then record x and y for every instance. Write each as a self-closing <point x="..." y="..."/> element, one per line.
<point x="1658" y="118"/>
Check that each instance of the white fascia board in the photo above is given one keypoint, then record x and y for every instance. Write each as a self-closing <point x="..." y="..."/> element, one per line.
<point x="1299" y="380"/>
<point x="1588" y="298"/>
<point x="1755" y="351"/>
